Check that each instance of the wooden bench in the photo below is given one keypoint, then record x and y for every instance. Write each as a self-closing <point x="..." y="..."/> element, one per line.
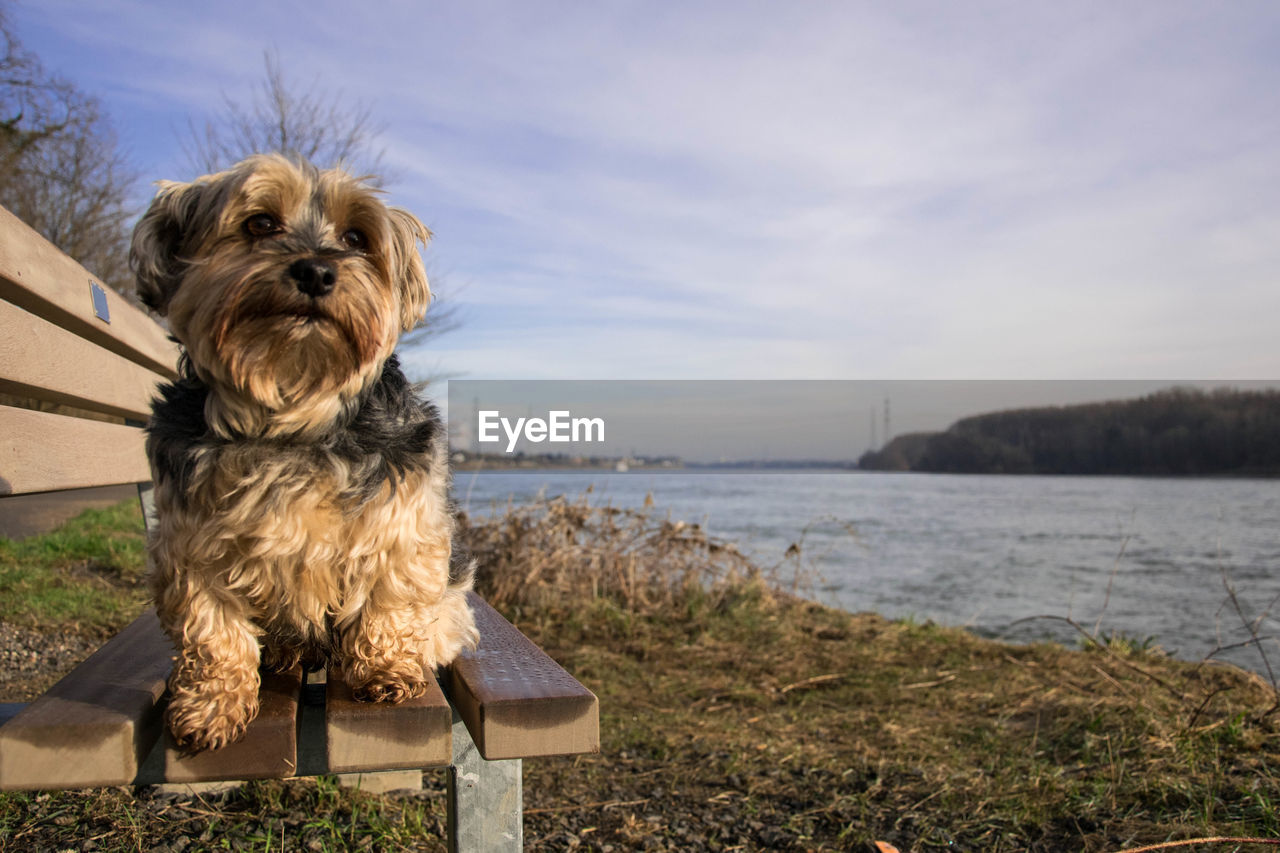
<point x="66" y="340"/>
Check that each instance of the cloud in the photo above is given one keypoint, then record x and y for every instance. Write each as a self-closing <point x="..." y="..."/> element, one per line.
<point x="743" y="189"/>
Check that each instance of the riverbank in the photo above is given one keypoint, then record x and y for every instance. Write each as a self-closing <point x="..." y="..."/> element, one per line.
<point x="733" y="716"/>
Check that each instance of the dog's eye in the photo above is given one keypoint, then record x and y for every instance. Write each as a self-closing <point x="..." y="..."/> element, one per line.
<point x="262" y="225"/>
<point x="355" y="239"/>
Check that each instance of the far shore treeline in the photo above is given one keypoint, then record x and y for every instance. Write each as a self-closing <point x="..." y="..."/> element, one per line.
<point x="1179" y="432"/>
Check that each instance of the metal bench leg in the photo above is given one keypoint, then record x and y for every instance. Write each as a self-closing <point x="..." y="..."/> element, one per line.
<point x="147" y="496"/>
<point x="486" y="810"/>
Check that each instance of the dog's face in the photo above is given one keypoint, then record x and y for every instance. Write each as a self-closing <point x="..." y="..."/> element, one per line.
<point x="283" y="282"/>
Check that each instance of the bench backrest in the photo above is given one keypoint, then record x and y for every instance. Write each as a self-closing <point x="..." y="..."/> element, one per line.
<point x="84" y="356"/>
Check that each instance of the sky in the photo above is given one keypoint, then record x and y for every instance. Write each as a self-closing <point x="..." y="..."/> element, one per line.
<point x="741" y="190"/>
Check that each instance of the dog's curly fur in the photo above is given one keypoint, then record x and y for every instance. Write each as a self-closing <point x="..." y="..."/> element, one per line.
<point x="301" y="487"/>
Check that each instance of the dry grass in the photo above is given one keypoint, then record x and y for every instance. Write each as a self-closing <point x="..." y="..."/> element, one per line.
<point x="561" y="554"/>
<point x="783" y="724"/>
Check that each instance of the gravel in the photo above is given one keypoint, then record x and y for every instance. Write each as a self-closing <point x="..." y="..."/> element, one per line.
<point x="31" y="660"/>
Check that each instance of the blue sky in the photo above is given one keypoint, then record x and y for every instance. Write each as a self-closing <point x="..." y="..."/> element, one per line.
<point x="733" y="190"/>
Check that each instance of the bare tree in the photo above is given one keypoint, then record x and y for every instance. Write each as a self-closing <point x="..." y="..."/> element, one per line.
<point x="316" y="125"/>
<point x="33" y="105"/>
<point x="61" y="170"/>
<point x="73" y="187"/>
<point x="283" y="118"/>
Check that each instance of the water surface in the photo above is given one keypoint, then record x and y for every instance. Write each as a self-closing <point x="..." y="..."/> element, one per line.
<point x="982" y="551"/>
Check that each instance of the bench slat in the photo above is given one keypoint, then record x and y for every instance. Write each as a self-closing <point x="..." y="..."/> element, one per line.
<point x="43" y="452"/>
<point x="516" y="701"/>
<point x="35" y="275"/>
<point x="268" y="750"/>
<point x="41" y="360"/>
<point x="96" y="725"/>
<point x="376" y="736"/>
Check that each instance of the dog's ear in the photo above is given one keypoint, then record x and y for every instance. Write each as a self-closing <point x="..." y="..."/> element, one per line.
<point x="160" y="237"/>
<point x="406" y="264"/>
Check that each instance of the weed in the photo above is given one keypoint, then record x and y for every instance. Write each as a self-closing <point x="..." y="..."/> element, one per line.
<point x="1122" y="644"/>
<point x="560" y="554"/>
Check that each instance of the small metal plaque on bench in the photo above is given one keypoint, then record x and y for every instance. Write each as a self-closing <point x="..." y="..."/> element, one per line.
<point x="99" y="301"/>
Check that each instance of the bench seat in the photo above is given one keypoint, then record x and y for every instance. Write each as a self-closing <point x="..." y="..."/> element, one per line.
<point x="102" y="723"/>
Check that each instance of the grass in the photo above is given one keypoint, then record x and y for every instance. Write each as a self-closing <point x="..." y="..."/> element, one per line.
<point x="736" y="716"/>
<point x="263" y="816"/>
<point x="87" y="573"/>
<point x="924" y="737"/>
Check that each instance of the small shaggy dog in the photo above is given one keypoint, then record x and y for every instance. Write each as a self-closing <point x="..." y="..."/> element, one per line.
<point x="300" y="484"/>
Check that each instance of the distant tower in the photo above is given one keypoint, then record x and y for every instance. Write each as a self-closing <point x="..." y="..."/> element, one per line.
<point x="873" y="445"/>
<point x="887" y="434"/>
<point x="475" y="436"/>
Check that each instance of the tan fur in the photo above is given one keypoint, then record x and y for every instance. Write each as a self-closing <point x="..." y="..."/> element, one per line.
<point x="263" y="557"/>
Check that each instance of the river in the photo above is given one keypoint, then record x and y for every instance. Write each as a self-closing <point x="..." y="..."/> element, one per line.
<point x="1150" y="558"/>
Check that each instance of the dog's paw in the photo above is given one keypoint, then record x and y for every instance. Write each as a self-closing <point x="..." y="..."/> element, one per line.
<point x="281" y="657"/>
<point x="387" y="687"/>
<point x="200" y="720"/>
<point x="455" y="629"/>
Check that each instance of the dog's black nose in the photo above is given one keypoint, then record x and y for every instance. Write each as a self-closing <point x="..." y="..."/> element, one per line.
<point x="313" y="276"/>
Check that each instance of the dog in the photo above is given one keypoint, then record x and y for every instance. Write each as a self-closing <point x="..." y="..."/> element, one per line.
<point x="300" y="484"/>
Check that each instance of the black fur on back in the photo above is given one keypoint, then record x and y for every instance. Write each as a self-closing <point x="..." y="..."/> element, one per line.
<point x="390" y="432"/>
<point x="177" y="427"/>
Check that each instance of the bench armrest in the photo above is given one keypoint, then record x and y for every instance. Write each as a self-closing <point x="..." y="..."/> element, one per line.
<point x="515" y="700"/>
